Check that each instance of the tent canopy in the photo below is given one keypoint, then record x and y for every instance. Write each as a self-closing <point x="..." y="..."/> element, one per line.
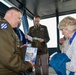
<point x="46" y="8"/>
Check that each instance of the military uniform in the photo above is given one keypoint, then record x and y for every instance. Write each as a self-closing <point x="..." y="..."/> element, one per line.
<point x="11" y="62"/>
<point x="40" y="32"/>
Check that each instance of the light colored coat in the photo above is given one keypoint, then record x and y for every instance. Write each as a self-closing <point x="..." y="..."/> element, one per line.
<point x="71" y="53"/>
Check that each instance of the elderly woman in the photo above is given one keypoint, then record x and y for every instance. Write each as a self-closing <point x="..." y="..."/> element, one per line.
<point x="68" y="28"/>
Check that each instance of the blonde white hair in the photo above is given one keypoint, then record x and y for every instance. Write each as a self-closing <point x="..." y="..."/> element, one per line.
<point x="68" y="23"/>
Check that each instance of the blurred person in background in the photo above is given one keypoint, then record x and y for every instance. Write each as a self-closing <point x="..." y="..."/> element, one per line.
<point x="40" y="37"/>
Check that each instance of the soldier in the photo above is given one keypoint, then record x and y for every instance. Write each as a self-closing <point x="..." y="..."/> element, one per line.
<point x="11" y="62"/>
<point x="40" y="36"/>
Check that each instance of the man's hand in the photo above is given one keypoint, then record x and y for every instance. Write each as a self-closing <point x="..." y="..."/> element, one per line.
<point x="28" y="37"/>
<point x="32" y="63"/>
<point x="41" y="40"/>
<point x="23" y="45"/>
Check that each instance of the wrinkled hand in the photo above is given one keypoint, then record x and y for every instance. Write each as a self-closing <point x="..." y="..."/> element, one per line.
<point x="61" y="40"/>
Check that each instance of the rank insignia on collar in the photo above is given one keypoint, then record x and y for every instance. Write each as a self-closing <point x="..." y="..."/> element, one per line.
<point x="3" y="26"/>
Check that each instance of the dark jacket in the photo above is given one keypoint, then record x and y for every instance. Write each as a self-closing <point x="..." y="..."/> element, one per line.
<point x="11" y="62"/>
<point x="40" y="32"/>
<point x="21" y="35"/>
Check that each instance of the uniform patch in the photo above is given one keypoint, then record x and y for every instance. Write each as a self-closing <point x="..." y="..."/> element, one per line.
<point x="3" y="26"/>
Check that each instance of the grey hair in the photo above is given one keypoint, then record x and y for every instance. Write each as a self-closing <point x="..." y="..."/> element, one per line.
<point x="68" y="23"/>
